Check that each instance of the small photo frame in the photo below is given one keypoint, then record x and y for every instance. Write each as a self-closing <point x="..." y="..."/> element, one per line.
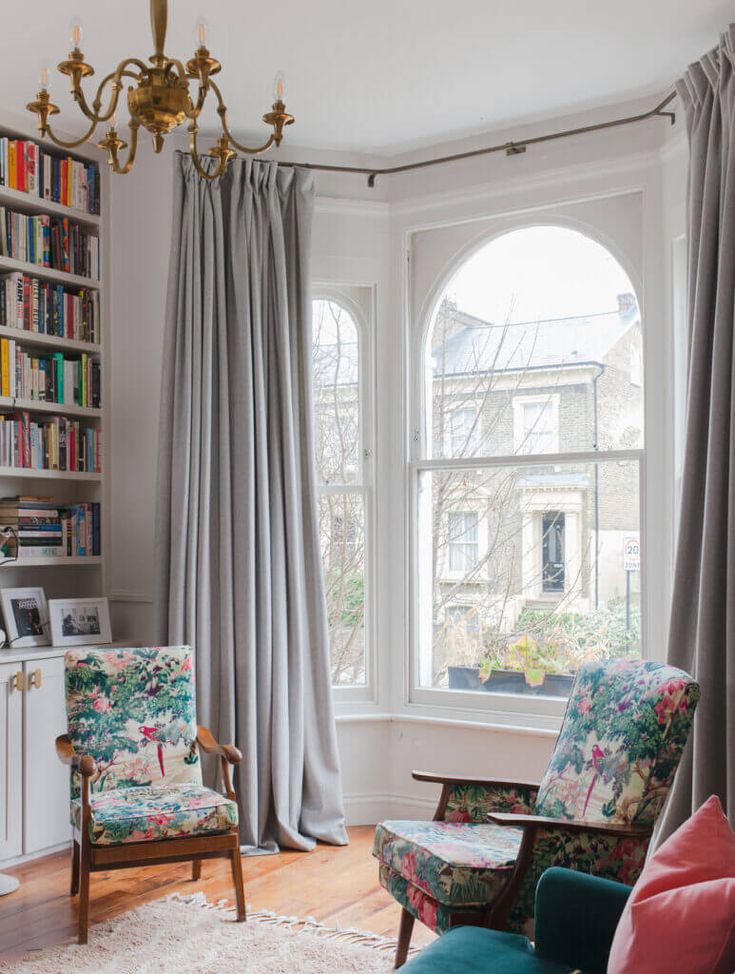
<point x="80" y="622"/>
<point x="26" y="617"/>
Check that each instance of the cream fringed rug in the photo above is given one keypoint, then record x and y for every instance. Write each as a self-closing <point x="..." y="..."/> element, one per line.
<point x="186" y="935"/>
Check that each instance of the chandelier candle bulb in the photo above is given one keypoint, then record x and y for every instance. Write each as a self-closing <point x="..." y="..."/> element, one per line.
<point x="43" y="79"/>
<point x="75" y="33"/>
<point x="279" y="86"/>
<point x="158" y="98"/>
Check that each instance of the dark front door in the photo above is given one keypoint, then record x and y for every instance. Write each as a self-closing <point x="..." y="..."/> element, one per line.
<point x="552" y="551"/>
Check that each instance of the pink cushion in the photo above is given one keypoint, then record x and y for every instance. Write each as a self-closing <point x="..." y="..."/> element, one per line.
<point x="680" y="917"/>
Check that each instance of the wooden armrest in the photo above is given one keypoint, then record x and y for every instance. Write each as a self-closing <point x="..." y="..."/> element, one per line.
<point x="444" y="779"/>
<point x="208" y="743"/>
<point x="563" y="824"/>
<point x="83" y="762"/>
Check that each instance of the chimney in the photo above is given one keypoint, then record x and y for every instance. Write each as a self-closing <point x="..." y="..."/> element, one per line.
<point x="627" y="304"/>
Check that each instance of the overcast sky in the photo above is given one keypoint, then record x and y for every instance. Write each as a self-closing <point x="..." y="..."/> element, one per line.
<point x="536" y="273"/>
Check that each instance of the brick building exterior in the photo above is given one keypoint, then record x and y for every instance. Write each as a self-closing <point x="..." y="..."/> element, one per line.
<point x="546" y="537"/>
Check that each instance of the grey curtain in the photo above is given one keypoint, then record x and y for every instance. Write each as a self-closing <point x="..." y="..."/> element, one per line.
<point x="702" y="638"/>
<point x="237" y="551"/>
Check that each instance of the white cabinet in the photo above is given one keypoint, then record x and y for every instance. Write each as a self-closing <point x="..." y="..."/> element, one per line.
<point x="11" y="757"/>
<point x="46" y="779"/>
<point x="34" y="784"/>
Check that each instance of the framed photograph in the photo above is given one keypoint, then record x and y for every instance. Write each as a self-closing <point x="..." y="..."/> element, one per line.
<point x="26" y="617"/>
<point x="80" y="622"/>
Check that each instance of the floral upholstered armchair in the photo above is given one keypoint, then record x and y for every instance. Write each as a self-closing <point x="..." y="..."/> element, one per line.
<point x="137" y="796"/>
<point x="479" y="861"/>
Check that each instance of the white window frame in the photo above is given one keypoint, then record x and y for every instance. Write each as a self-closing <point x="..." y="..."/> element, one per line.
<point x="359" y="302"/>
<point x="538" y="713"/>
<point x="551" y="400"/>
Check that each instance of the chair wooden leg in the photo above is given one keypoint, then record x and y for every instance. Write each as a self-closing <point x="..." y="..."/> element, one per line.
<point x="404" y="938"/>
<point x="236" y="863"/>
<point x="84" y="890"/>
<point x="75" y="852"/>
<point x="196" y="869"/>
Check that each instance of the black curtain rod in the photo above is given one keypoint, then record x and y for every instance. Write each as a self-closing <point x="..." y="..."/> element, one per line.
<point x="514" y="148"/>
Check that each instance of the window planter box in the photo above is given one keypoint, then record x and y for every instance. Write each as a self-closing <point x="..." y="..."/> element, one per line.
<point x="508" y="681"/>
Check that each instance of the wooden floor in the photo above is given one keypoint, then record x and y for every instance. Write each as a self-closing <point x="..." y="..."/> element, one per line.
<point x="338" y="886"/>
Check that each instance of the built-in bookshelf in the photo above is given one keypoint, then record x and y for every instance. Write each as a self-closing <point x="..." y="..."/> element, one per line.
<point x="53" y="341"/>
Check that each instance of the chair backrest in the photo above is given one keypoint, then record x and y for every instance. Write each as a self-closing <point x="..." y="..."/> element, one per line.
<point x="134" y="712"/>
<point x="624" y="731"/>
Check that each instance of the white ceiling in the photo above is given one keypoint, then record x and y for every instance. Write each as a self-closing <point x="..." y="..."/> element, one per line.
<point x="387" y="75"/>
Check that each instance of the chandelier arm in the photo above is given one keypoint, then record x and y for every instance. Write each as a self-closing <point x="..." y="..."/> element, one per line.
<point x="173" y="62"/>
<point x="195" y="110"/>
<point x="113" y="156"/>
<point x="94" y="113"/>
<point x="77" y="142"/>
<point x="196" y="159"/>
<point x="222" y="112"/>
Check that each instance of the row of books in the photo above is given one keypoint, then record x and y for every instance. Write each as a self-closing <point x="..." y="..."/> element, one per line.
<point x="43" y="528"/>
<point x="52" y="377"/>
<point x="48" y="309"/>
<point x="49" y="241"/>
<point x="25" y="166"/>
<point x="49" y="443"/>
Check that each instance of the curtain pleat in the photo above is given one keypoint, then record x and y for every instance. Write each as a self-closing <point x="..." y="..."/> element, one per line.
<point x="702" y="630"/>
<point x="238" y="563"/>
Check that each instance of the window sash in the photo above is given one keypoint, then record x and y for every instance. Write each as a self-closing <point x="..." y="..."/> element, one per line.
<point x="507" y="708"/>
<point x="359" y="302"/>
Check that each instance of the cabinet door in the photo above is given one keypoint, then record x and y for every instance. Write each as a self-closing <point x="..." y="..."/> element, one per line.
<point x="11" y="754"/>
<point x="46" y="783"/>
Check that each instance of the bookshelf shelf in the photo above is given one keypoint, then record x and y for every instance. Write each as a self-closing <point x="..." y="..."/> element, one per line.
<point x="32" y="473"/>
<point x="59" y="409"/>
<point x="88" y="561"/>
<point x="51" y="342"/>
<point x="34" y="204"/>
<point x="49" y="274"/>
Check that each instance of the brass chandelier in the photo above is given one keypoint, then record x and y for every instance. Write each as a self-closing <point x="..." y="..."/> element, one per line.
<point x="159" y="100"/>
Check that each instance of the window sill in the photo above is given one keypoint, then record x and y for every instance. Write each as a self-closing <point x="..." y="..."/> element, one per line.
<point x="527" y="730"/>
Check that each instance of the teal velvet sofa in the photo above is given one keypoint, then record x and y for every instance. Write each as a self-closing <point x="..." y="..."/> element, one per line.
<point x="576" y="917"/>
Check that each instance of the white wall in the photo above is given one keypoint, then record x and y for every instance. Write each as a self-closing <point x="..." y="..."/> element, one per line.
<point x="360" y="237"/>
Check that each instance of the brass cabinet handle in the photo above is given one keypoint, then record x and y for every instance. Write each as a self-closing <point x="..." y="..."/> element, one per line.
<point x="34" y="680"/>
<point x="17" y="682"/>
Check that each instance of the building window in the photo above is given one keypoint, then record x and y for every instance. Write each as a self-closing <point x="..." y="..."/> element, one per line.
<point x="343" y="471"/>
<point x="525" y="501"/>
<point x="536" y="424"/>
<point x="463" y="541"/>
<point x="464" y="430"/>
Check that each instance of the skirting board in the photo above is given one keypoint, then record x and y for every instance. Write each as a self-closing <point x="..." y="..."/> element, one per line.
<point x="19" y="860"/>
<point x="369" y="809"/>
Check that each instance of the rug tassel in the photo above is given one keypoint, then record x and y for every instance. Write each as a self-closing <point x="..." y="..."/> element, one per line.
<point x="350" y="935"/>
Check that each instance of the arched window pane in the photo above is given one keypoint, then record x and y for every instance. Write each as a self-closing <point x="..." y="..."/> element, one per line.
<point x="336" y="392"/>
<point x="342" y="501"/>
<point x="526" y="569"/>
<point x="535" y="347"/>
